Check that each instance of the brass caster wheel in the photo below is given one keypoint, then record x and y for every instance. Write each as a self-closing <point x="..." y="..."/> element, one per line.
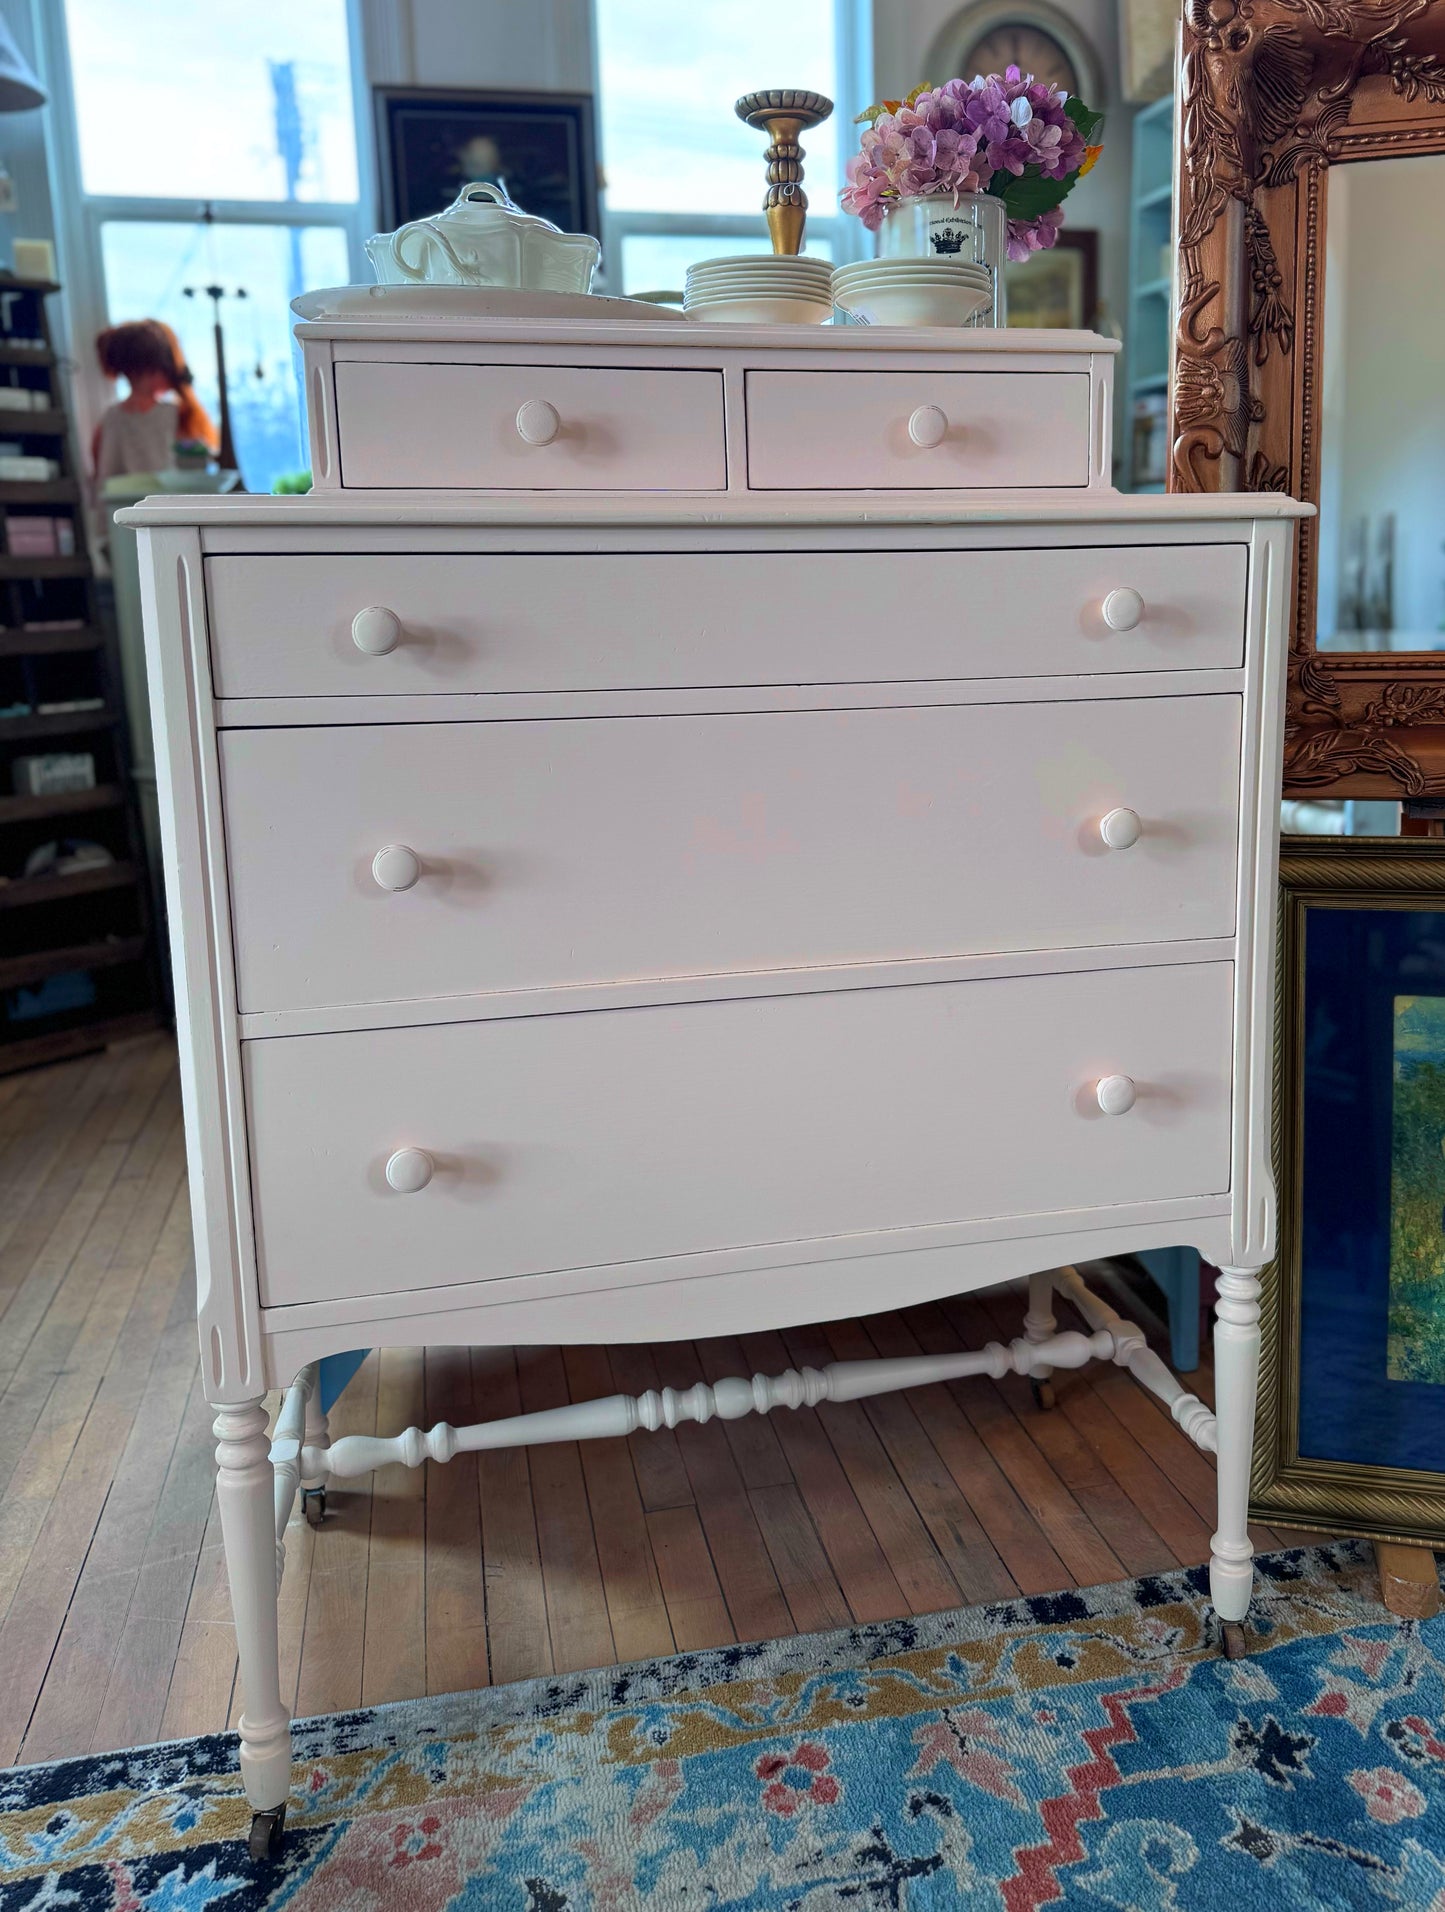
<point x="313" y="1505"/>
<point x="1044" y="1396"/>
<point x="266" y="1831"/>
<point x="1236" y="1646"/>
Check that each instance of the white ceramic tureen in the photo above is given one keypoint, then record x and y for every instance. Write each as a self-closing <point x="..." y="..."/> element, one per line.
<point x="482" y="239"/>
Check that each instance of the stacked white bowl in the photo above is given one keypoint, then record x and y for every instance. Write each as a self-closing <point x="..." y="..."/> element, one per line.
<point x="913" y="291"/>
<point x="760" y="288"/>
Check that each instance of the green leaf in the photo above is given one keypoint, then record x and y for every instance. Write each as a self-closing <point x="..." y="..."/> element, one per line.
<point x="1030" y="194"/>
<point x="1087" y="121"/>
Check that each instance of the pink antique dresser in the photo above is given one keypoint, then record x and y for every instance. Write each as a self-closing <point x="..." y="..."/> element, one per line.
<point x="690" y="829"/>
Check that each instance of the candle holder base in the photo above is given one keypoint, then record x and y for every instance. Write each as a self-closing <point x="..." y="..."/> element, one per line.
<point x="783" y="112"/>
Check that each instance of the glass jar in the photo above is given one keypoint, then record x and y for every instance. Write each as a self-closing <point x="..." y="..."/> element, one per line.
<point x="974" y="228"/>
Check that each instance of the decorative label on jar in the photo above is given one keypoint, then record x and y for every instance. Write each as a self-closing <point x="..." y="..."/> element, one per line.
<point x="973" y="230"/>
<point x="953" y="239"/>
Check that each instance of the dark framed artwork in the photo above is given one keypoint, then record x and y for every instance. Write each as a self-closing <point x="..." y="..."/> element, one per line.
<point x="1350" y="1433"/>
<point x="432" y="141"/>
<point x="1057" y="289"/>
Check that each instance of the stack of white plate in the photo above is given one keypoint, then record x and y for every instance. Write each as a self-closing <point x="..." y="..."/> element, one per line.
<point x="913" y="291"/>
<point x="760" y="288"/>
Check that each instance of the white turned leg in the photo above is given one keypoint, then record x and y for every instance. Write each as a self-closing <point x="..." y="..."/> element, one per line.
<point x="1039" y="1322"/>
<point x="1039" y="1325"/>
<point x="317" y="1436"/>
<point x="1236" y="1381"/>
<point x="245" y="1491"/>
<point x="318" y="1439"/>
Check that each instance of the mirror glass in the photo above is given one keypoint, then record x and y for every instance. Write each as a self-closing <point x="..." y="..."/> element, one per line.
<point x="1382" y="404"/>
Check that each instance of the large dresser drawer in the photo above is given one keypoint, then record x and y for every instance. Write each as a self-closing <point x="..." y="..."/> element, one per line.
<point x="540" y="854"/>
<point x="891" y="431"/>
<point x="555" y="1142"/>
<point x="409" y="624"/>
<point x="529" y="427"/>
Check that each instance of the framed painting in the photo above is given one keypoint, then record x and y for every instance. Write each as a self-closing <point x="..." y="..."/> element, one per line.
<point x="1057" y="289"/>
<point x="1351" y="1423"/>
<point x="432" y="141"/>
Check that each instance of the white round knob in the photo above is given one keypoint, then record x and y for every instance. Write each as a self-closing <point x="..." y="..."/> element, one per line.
<point x="409" y="1170"/>
<point x="395" y="867"/>
<point x="538" y="423"/>
<point x="1120" y="829"/>
<point x="928" y="426"/>
<point x="375" y="631"/>
<point x="1115" y="1095"/>
<point x="1123" y="609"/>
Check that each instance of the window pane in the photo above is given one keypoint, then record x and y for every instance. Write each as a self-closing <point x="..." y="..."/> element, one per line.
<point x="148" y="265"/>
<point x="226" y="99"/>
<point x="658" y="262"/>
<point x="669" y="77"/>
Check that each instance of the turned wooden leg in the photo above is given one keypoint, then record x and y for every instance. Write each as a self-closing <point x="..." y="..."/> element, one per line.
<point x="318" y="1437"/>
<point x="1236" y="1381"/>
<point x="1039" y="1324"/>
<point x="245" y="1492"/>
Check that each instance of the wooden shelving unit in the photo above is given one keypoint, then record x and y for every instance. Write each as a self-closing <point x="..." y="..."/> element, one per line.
<point x="78" y="967"/>
<point x="1151" y="291"/>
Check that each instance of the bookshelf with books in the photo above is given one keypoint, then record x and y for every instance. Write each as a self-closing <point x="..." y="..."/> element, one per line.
<point x="77" y="952"/>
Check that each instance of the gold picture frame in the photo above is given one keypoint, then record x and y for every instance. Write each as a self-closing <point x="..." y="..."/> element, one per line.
<point x="1057" y="290"/>
<point x="1378" y="1502"/>
<point x="1271" y="94"/>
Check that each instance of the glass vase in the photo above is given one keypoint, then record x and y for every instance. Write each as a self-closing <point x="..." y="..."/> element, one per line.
<point x="974" y="227"/>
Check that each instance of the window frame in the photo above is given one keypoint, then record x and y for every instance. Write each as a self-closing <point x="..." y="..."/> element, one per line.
<point x="79" y="216"/>
<point x="853" y="37"/>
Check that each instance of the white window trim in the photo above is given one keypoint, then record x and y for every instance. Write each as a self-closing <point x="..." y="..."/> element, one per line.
<point x="853" y="37"/>
<point x="79" y="216"/>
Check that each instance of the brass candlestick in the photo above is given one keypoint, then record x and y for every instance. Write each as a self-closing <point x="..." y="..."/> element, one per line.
<point x="783" y="112"/>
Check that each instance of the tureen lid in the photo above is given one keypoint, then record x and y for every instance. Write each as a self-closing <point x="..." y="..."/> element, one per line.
<point x="483" y="203"/>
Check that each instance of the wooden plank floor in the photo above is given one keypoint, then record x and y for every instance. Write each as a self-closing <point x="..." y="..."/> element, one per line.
<point x="114" y="1622"/>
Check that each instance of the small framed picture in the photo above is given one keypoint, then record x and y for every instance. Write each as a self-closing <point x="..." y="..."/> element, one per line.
<point x="1350" y="1432"/>
<point x="1057" y="289"/>
<point x="540" y="146"/>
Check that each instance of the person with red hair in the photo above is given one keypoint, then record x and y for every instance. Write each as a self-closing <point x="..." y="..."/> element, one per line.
<point x="160" y="414"/>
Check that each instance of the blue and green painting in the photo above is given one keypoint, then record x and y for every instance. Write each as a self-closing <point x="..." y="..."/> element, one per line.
<point x="1417" y="1193"/>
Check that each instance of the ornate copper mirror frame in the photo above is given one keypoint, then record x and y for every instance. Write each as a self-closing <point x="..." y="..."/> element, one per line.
<point x="1273" y="92"/>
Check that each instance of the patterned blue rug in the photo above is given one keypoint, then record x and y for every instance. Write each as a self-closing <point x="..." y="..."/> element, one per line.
<point x="1086" y="1749"/>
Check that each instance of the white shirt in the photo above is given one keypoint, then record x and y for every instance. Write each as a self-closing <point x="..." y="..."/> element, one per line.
<point x="136" y="441"/>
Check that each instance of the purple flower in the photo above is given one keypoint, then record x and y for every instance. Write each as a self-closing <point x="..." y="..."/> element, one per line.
<point x="1034" y="235"/>
<point x="967" y="136"/>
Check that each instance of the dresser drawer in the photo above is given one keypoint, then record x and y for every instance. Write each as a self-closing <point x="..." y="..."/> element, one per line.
<point x="546" y="854"/>
<point x="287" y="626"/>
<point x="529" y="427"/>
<point x="560" y="1142"/>
<point x="892" y="431"/>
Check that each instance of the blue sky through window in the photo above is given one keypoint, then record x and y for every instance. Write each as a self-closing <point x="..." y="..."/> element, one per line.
<point x="669" y="77"/>
<point x="177" y="99"/>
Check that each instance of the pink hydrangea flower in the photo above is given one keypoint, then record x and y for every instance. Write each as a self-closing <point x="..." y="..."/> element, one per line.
<point x="1034" y="235"/>
<point x="967" y="136"/>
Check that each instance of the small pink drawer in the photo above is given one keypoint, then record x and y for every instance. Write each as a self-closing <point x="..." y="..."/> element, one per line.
<point x="917" y="431"/>
<point x="529" y="428"/>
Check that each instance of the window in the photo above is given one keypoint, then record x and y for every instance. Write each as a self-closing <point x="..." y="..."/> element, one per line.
<point x="684" y="176"/>
<point x="208" y="145"/>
